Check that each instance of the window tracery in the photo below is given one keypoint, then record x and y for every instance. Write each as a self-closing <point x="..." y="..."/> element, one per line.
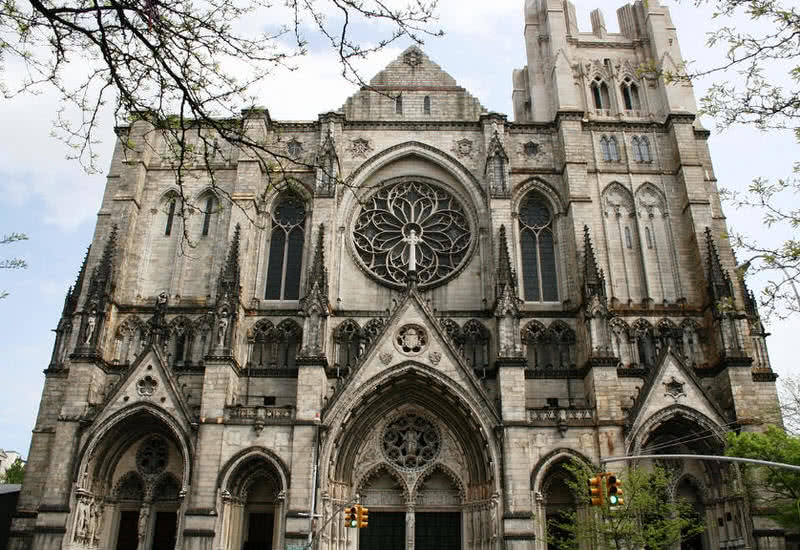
<point x="537" y="244"/>
<point x="275" y="347"/>
<point x="609" y="149"/>
<point x="286" y="250"/>
<point x="383" y="227"/>
<point x="349" y="344"/>
<point x="153" y="456"/>
<point x="551" y="347"/>
<point x="630" y="94"/>
<point x="411" y="442"/>
<point x="476" y="339"/>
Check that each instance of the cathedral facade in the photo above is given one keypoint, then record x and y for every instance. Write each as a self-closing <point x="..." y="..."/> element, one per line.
<point x="425" y="308"/>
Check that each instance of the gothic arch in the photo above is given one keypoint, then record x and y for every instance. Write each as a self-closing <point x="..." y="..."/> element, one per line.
<point x="551" y="459"/>
<point x="439" y="467"/>
<point x="123" y="422"/>
<point x="543" y="188"/>
<point x="645" y="429"/>
<point x="696" y="483"/>
<point x="231" y="467"/>
<point x="470" y="183"/>
<point x="374" y="471"/>
<point x="421" y="386"/>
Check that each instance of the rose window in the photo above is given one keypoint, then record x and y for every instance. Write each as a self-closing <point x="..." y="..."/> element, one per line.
<point x="152" y="456"/>
<point x="411" y="442"/>
<point x="412" y="212"/>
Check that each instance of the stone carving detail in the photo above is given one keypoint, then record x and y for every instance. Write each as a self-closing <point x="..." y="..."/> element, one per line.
<point x="435" y="357"/>
<point x="386" y="357"/>
<point x="360" y="148"/>
<point x="530" y="149"/>
<point x="152" y="456"/>
<point x="463" y="148"/>
<point x="674" y="388"/>
<point x="382" y="230"/>
<point x="411" y="339"/>
<point x="411" y="441"/>
<point x="294" y="148"/>
<point x="146" y="386"/>
<point x="413" y="58"/>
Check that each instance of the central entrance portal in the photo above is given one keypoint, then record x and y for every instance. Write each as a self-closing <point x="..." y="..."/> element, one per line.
<point x="437" y="531"/>
<point x="386" y="531"/>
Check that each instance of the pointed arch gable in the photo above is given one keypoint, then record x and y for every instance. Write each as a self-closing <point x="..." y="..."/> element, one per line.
<point x="375" y="470"/>
<point x="98" y="438"/>
<point x="430" y="390"/>
<point x="544" y="188"/>
<point x="231" y="466"/>
<point x="712" y="429"/>
<point x="439" y="467"/>
<point x="545" y="464"/>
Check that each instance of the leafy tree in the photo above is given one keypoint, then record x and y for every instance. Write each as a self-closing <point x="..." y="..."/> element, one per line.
<point x="12" y="263"/>
<point x="648" y="518"/>
<point x="187" y="67"/>
<point x="758" y="85"/>
<point x="15" y="473"/>
<point x="789" y="393"/>
<point x="774" y="445"/>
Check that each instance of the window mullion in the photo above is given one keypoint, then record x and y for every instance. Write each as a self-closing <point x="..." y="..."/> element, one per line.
<point x="284" y="262"/>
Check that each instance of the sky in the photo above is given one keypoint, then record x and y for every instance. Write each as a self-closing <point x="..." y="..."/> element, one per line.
<point x="53" y="201"/>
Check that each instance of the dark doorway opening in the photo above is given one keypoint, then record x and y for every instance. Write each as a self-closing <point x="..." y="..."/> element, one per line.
<point x="165" y="530"/>
<point x="259" y="531"/>
<point x="128" y="535"/>
<point x="386" y="531"/>
<point x="437" y="531"/>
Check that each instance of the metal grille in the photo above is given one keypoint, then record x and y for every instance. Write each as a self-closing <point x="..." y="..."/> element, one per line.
<point x="388" y="218"/>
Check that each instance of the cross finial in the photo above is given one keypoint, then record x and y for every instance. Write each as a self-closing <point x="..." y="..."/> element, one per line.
<point x="413" y="240"/>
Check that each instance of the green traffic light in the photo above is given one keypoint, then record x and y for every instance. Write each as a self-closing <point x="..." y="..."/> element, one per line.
<point x="613" y="500"/>
<point x="354" y="523"/>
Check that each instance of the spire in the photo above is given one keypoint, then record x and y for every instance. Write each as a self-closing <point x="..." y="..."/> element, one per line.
<point x="101" y="282"/>
<point x="317" y="284"/>
<point x="74" y="292"/>
<point x="505" y="292"/>
<point x="594" y="282"/>
<point x="505" y="275"/>
<point x="719" y="281"/>
<point x="228" y="284"/>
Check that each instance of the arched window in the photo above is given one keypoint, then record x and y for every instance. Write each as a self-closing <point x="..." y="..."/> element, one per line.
<point x="264" y="346"/>
<point x="628" y="241"/>
<point x="427" y="105"/>
<point x="398" y="105"/>
<point x="286" y="250"/>
<point x="289" y="336"/>
<point x="645" y="343"/>
<point x="275" y="347"/>
<point x="476" y="345"/>
<point x="537" y="244"/>
<point x="537" y="345"/>
<point x="643" y="153"/>
<point x="208" y="210"/>
<point x="630" y="94"/>
<point x="348" y="344"/>
<point x="648" y="237"/>
<point x="498" y="173"/>
<point x="608" y="147"/>
<point x="637" y="155"/>
<point x="600" y="94"/>
<point x="171" y="208"/>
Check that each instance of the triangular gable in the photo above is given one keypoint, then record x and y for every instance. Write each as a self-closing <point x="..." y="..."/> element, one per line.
<point x="146" y="381"/>
<point x="672" y="383"/>
<point x="413" y="72"/>
<point x="438" y="352"/>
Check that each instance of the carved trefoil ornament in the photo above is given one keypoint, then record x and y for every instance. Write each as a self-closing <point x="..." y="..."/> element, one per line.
<point x="413" y="58"/>
<point x="674" y="388"/>
<point x="386" y="357"/>
<point x="435" y="357"/>
<point x="360" y="148"/>
<point x="294" y="148"/>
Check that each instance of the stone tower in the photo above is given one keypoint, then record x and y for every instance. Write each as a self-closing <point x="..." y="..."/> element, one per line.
<point x="572" y="296"/>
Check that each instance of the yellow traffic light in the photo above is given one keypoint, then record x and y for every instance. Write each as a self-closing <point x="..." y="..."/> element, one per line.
<point x="363" y="517"/>
<point x="351" y="517"/>
<point x="614" y="491"/>
<point x="596" y="490"/>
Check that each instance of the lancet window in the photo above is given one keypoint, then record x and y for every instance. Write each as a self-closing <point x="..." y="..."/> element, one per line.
<point x="645" y="343"/>
<point x="209" y="209"/>
<point x="600" y="95"/>
<point x="641" y="149"/>
<point x="609" y="149"/>
<point x="286" y="249"/>
<point x="349" y="344"/>
<point x="476" y="339"/>
<point x="553" y="347"/>
<point x="537" y="243"/>
<point x="275" y="347"/>
<point x="630" y="94"/>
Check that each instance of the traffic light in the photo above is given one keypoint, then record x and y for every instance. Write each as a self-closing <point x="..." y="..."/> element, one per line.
<point x="363" y="517"/>
<point x="596" y="490"/>
<point x="614" y="485"/>
<point x="351" y="516"/>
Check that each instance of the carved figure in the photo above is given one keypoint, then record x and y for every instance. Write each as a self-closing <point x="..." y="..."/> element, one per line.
<point x="90" y="324"/>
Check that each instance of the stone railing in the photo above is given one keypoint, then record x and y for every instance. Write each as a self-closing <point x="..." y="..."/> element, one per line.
<point x="562" y="416"/>
<point x="259" y="416"/>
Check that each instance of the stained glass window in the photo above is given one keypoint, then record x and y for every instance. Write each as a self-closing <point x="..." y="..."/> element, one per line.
<point x="538" y="251"/>
<point x="286" y="250"/>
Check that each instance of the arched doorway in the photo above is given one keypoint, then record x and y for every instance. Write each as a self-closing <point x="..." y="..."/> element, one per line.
<point x="419" y="460"/>
<point x="252" y="494"/>
<point x="130" y="490"/>
<point x="558" y="504"/>
<point x="687" y="491"/>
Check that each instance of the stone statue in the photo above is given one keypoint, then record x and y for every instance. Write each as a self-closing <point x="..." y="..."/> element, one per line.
<point x="90" y="324"/>
<point x="144" y="516"/>
<point x="222" y="329"/>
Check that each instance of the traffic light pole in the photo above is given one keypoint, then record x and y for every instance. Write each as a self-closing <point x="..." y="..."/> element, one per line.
<point x="310" y="542"/>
